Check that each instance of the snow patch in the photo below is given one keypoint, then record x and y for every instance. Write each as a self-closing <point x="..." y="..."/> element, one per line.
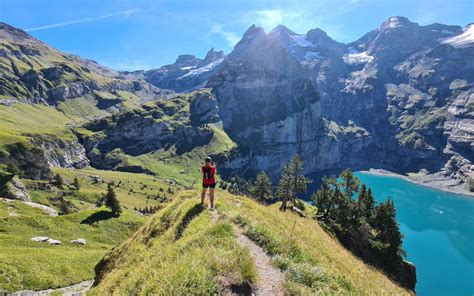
<point x="311" y="55"/>
<point x="393" y="22"/>
<point x="354" y="57"/>
<point x="188" y="68"/>
<point x="203" y="69"/>
<point x="466" y="37"/>
<point x="300" y="40"/>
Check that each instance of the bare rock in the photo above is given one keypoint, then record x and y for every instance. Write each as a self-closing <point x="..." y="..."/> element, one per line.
<point x="40" y="239"/>
<point x="53" y="241"/>
<point x="14" y="189"/>
<point x="79" y="241"/>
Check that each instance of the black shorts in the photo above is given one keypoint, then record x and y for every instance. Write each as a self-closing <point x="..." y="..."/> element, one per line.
<point x="209" y="185"/>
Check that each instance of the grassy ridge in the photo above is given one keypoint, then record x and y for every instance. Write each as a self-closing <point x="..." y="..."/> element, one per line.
<point x="179" y="252"/>
<point x="153" y="261"/>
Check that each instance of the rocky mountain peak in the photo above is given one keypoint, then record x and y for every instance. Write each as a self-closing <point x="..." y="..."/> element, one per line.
<point x="282" y="30"/>
<point x="396" y="22"/>
<point x="186" y="59"/>
<point x="253" y="32"/>
<point x="212" y="56"/>
<point x="13" y="34"/>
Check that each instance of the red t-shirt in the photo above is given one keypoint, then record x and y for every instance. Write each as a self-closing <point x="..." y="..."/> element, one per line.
<point x="208" y="173"/>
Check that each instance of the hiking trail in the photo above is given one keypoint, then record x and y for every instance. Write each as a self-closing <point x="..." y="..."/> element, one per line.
<point x="269" y="279"/>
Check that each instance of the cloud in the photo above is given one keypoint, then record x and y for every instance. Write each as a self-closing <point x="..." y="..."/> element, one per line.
<point x="85" y="20"/>
<point x="231" y="37"/>
<point x="269" y="19"/>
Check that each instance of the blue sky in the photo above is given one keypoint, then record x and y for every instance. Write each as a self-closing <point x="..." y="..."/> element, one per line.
<point x="144" y="34"/>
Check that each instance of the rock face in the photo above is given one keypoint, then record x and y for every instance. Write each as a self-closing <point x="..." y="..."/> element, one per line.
<point x="62" y="153"/>
<point x="14" y="189"/>
<point x="156" y="126"/>
<point x="399" y="98"/>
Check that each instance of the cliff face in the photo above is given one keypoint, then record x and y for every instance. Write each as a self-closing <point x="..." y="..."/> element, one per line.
<point x="399" y="98"/>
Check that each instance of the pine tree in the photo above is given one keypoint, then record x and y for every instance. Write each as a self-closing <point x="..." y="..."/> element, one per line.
<point x="350" y="182"/>
<point x="262" y="190"/>
<point x="77" y="184"/>
<point x="284" y="187"/>
<point x="299" y="182"/>
<point x="386" y="224"/>
<point x="112" y="202"/>
<point x="59" y="181"/>
<point x="324" y="198"/>
<point x="366" y="203"/>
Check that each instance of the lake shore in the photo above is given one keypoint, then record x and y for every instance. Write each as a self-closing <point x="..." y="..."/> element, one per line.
<point x="428" y="180"/>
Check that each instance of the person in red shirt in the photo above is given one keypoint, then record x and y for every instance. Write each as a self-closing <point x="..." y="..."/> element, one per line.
<point x="208" y="171"/>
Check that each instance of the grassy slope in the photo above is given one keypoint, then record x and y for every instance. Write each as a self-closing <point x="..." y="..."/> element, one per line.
<point x="179" y="252"/>
<point x="31" y="265"/>
<point x="21" y="118"/>
<point x="314" y="262"/>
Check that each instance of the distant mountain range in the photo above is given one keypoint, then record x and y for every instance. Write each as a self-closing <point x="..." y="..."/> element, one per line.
<point x="399" y="98"/>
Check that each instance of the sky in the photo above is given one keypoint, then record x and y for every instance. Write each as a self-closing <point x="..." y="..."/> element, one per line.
<point x="146" y="34"/>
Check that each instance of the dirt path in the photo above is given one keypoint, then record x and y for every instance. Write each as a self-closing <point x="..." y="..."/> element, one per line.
<point x="74" y="290"/>
<point x="270" y="279"/>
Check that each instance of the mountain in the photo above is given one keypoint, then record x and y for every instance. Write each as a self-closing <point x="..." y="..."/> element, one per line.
<point x="34" y="72"/>
<point x="398" y="98"/>
<point x="188" y="73"/>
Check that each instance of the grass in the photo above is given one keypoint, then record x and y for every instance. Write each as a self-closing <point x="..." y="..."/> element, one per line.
<point x="133" y="190"/>
<point x="20" y="119"/>
<point x="32" y="265"/>
<point x="158" y="261"/>
<point x="313" y="261"/>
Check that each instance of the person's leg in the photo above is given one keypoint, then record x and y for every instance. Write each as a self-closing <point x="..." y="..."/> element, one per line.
<point x="211" y="197"/>
<point x="203" y="195"/>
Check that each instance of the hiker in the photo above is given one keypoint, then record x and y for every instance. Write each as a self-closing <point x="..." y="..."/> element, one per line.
<point x="208" y="171"/>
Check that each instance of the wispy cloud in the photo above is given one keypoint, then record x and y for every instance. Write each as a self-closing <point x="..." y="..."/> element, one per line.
<point x="85" y="20"/>
<point x="269" y="19"/>
<point x="231" y="37"/>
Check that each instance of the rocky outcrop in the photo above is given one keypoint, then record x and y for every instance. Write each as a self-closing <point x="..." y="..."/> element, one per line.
<point x="14" y="189"/>
<point x="30" y="160"/>
<point x="62" y="153"/>
<point x="157" y="126"/>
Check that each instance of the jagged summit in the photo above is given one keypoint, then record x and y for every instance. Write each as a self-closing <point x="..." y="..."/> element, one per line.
<point x="394" y="22"/>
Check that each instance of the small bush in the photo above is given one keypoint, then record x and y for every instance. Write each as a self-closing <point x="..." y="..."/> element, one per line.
<point x="306" y="274"/>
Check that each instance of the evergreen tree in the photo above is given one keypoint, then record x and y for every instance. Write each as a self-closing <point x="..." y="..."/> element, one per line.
<point x="386" y="224"/>
<point x="77" y="184"/>
<point x="285" y="187"/>
<point x="262" y="190"/>
<point x="112" y="202"/>
<point x="350" y="183"/>
<point x="59" y="181"/>
<point x="324" y="198"/>
<point x="299" y="182"/>
<point x="366" y="204"/>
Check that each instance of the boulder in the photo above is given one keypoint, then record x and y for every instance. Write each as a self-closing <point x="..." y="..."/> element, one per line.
<point x="53" y="241"/>
<point x="40" y="239"/>
<point x="79" y="241"/>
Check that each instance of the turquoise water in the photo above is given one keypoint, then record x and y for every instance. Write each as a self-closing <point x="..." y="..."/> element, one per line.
<point x="439" y="233"/>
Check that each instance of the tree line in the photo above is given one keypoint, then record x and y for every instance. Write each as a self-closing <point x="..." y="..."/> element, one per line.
<point x="346" y="208"/>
